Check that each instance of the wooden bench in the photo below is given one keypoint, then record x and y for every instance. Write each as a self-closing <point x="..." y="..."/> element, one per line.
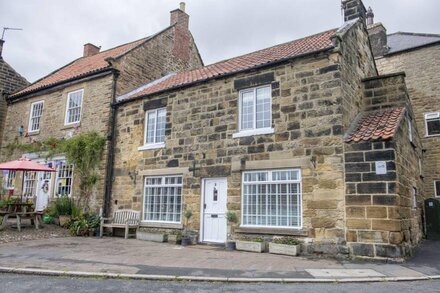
<point x="127" y="219"/>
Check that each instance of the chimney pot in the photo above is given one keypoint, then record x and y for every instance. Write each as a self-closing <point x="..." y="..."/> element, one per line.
<point x="370" y="16"/>
<point x="90" y="50"/>
<point x="182" y="6"/>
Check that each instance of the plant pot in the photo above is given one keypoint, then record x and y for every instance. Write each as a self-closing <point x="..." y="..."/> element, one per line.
<point x="148" y="236"/>
<point x="284" y="249"/>
<point x="230" y="245"/>
<point x="250" y="246"/>
<point x="64" y="220"/>
<point x="174" y="239"/>
<point x="186" y="240"/>
<point x="91" y="233"/>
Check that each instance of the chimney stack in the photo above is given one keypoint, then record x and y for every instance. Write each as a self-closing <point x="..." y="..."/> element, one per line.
<point x="90" y="50"/>
<point x="1" y="47"/>
<point x="370" y="17"/>
<point x="182" y="37"/>
<point x="353" y="9"/>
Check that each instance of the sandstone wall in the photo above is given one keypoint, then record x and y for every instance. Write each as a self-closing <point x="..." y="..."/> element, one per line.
<point x="422" y="67"/>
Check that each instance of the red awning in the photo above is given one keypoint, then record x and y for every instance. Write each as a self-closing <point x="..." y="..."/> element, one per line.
<point x="24" y="164"/>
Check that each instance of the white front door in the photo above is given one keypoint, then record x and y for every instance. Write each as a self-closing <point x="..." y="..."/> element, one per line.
<point x="214" y="210"/>
<point x="44" y="185"/>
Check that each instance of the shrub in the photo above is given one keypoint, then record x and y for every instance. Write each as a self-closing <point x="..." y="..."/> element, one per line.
<point x="231" y="217"/>
<point x="252" y="239"/>
<point x="286" y="241"/>
<point x="84" y="224"/>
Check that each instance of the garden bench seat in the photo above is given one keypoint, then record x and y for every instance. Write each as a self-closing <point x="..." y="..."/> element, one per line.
<point x="126" y="219"/>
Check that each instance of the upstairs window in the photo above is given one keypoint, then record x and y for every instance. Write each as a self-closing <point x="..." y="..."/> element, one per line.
<point x="155" y="123"/>
<point x="437" y="188"/>
<point x="73" y="108"/>
<point x="432" y="121"/>
<point x="255" y="111"/>
<point x="35" y="116"/>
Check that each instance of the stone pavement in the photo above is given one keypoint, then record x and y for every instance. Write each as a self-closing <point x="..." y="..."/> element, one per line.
<point x="115" y="256"/>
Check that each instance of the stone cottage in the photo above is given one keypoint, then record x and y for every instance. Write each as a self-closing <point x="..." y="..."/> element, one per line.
<point x="418" y="55"/>
<point x="78" y="98"/>
<point x="302" y="139"/>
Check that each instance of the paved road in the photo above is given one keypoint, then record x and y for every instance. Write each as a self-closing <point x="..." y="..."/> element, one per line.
<point x="26" y="283"/>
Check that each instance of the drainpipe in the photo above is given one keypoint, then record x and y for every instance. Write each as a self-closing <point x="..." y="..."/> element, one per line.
<point x="111" y="149"/>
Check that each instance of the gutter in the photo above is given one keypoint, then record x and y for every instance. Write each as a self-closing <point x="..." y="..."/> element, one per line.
<point x="261" y="66"/>
<point x="111" y="147"/>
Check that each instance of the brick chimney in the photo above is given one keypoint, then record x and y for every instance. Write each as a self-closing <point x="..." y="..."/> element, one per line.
<point x="353" y="9"/>
<point x="180" y="20"/>
<point x="90" y="50"/>
<point x="378" y="35"/>
<point x="1" y="47"/>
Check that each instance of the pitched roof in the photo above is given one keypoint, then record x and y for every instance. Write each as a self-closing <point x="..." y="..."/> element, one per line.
<point x="267" y="56"/>
<point x="80" y="67"/>
<point x="375" y="125"/>
<point x="402" y="41"/>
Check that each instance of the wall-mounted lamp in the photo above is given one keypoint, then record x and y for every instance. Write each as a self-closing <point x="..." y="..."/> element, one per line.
<point x="194" y="168"/>
<point x="243" y="162"/>
<point x="20" y="130"/>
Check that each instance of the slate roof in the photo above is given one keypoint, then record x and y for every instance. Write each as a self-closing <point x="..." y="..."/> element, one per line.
<point x="402" y="41"/>
<point x="80" y="67"/>
<point x="314" y="43"/>
<point x="375" y="125"/>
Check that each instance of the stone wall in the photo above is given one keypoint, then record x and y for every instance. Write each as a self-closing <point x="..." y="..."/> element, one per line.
<point x="201" y="121"/>
<point x="154" y="59"/>
<point x="95" y="116"/>
<point x="422" y="67"/>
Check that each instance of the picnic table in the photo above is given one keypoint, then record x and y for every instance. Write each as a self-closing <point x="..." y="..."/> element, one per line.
<point x="20" y="211"/>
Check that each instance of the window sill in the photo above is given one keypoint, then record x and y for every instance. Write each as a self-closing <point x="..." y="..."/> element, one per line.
<point x="432" y="135"/>
<point x="272" y="231"/>
<point x="36" y="132"/>
<point x="252" y="132"/>
<point x="161" y="225"/>
<point x="70" y="126"/>
<point x="151" y="146"/>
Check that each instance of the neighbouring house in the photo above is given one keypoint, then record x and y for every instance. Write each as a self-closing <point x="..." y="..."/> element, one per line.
<point x="10" y="81"/>
<point x="418" y="55"/>
<point x="78" y="98"/>
<point x="302" y="139"/>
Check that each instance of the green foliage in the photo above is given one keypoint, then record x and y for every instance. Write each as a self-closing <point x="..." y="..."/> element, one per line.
<point x="286" y="241"/>
<point x="63" y="206"/>
<point x="5" y="202"/>
<point x="231" y="216"/>
<point x="188" y="214"/>
<point x="84" y="224"/>
<point x="85" y="151"/>
<point x="252" y="239"/>
<point x="51" y="146"/>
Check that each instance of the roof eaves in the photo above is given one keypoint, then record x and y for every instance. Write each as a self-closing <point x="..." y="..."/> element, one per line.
<point x="412" y="48"/>
<point x="139" y="89"/>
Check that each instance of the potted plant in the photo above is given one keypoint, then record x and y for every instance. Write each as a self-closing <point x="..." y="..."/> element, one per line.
<point x="186" y="237"/>
<point x="285" y="245"/>
<point x="175" y="237"/>
<point x="153" y="235"/>
<point x="256" y="244"/>
<point x="63" y="207"/>
<point x="231" y="217"/>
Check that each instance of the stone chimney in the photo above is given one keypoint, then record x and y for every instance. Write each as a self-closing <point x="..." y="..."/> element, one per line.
<point x="378" y="35"/>
<point x="1" y="47"/>
<point x="180" y="20"/>
<point x="353" y="9"/>
<point x="90" y="50"/>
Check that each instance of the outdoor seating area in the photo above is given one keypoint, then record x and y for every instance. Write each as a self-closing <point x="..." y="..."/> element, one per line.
<point x="20" y="211"/>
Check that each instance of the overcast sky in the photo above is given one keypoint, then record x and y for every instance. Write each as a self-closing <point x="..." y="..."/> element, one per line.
<point x="54" y="31"/>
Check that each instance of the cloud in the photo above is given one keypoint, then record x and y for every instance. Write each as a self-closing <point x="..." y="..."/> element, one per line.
<point x="55" y="30"/>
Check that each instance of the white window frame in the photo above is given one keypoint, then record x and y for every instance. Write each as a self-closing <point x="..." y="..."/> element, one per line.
<point x="162" y="185"/>
<point x="31" y="116"/>
<point x="300" y="203"/>
<point x="430" y="116"/>
<point x="155" y="145"/>
<point x="410" y="130"/>
<point x="254" y="130"/>
<point x="435" y="189"/>
<point x="66" y="117"/>
<point x="9" y="179"/>
<point x="30" y="184"/>
<point x="57" y="177"/>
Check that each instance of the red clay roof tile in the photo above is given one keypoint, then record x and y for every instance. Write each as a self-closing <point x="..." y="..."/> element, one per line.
<point x="80" y="67"/>
<point x="288" y="50"/>
<point x="376" y="125"/>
